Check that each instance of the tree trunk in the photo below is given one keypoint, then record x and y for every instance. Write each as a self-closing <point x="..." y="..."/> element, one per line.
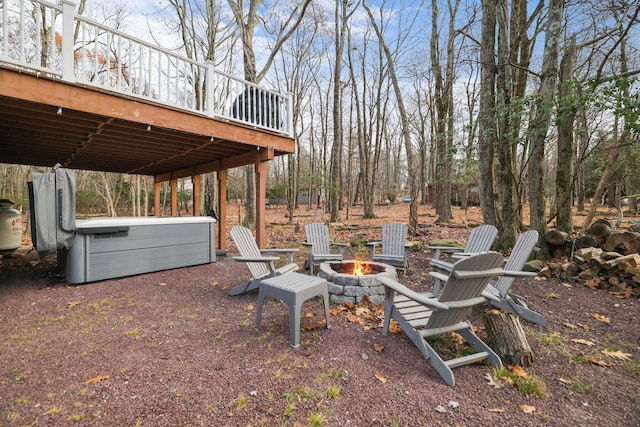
<point x="406" y="128"/>
<point x="566" y="151"/>
<point x="540" y="122"/>
<point x="486" y="115"/>
<point x="507" y="338"/>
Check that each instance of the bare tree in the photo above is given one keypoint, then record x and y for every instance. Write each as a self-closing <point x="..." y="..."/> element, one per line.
<point x="247" y="19"/>
<point x="540" y="122"/>
<point x="406" y="126"/>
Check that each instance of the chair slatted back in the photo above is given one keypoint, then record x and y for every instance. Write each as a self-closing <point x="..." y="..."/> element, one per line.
<point x="317" y="234"/>
<point x="463" y="290"/>
<point x="521" y="252"/>
<point x="394" y="236"/>
<point x="481" y="239"/>
<point x="247" y="246"/>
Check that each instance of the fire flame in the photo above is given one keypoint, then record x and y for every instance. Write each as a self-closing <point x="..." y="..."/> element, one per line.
<point x="360" y="268"/>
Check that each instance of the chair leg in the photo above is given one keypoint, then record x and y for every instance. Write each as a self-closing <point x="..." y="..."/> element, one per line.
<point x="259" y="313"/>
<point x="325" y="299"/>
<point x="294" y="322"/>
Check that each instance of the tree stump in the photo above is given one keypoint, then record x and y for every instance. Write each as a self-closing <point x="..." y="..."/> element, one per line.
<point x="557" y="240"/>
<point x="585" y="242"/>
<point x="507" y="338"/>
<point x="600" y="230"/>
<point x="626" y="243"/>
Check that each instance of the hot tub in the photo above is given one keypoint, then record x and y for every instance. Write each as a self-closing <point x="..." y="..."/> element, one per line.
<point x="106" y="248"/>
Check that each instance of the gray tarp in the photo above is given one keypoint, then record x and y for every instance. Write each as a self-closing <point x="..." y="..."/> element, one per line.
<point x="52" y="202"/>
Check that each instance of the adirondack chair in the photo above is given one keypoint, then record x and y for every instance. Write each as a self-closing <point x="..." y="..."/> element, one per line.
<point x="393" y="247"/>
<point x="480" y="240"/>
<point x="421" y="315"/>
<point x="260" y="266"/>
<point x="319" y="245"/>
<point x="525" y="245"/>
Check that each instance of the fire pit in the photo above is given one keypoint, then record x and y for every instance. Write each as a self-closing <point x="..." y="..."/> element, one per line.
<point x="351" y="281"/>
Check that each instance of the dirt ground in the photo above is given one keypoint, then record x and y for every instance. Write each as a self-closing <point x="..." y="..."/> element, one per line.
<point x="172" y="348"/>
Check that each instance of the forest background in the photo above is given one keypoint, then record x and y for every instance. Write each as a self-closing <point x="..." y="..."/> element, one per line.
<point x="495" y="103"/>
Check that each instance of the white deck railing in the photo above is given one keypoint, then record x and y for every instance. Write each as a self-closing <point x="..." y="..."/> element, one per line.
<point x="53" y="42"/>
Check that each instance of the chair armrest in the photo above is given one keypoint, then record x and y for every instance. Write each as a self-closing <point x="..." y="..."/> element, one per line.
<point x="463" y="255"/>
<point x="512" y="273"/>
<point x="481" y="273"/>
<point x="338" y="244"/>
<point x="341" y="246"/>
<point x="442" y="265"/>
<point x="374" y="246"/>
<point x="448" y="249"/>
<point x="256" y="259"/>
<point x="419" y="298"/>
<point x="288" y="252"/>
<point x="439" y="276"/>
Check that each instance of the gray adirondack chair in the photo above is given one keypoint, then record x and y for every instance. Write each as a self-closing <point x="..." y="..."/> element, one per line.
<point x="525" y="245"/>
<point x="393" y="247"/>
<point x="320" y="246"/>
<point x="480" y="240"/>
<point x="421" y="315"/>
<point x="260" y="266"/>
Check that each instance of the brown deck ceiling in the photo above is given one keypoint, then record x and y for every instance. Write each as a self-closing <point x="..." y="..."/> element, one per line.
<point x="102" y="132"/>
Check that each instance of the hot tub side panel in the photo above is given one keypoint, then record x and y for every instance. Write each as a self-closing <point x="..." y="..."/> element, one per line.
<point x="141" y="249"/>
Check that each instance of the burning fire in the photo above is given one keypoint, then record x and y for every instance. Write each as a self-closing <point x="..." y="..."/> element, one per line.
<point x="360" y="268"/>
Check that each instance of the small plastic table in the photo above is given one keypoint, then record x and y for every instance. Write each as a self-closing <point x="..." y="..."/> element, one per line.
<point x="294" y="289"/>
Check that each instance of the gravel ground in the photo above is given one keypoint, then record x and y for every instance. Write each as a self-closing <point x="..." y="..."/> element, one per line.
<point x="173" y="349"/>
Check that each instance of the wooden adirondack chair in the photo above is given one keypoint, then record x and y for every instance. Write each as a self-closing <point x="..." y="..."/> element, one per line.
<point x="320" y="246"/>
<point x="260" y="266"/>
<point x="393" y="247"/>
<point x="480" y="240"/>
<point x="421" y="315"/>
<point x="525" y="245"/>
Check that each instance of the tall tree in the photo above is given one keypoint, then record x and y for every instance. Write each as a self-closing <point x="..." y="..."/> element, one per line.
<point x="566" y="150"/>
<point x="487" y="130"/>
<point x="540" y="122"/>
<point x="344" y="9"/>
<point x="247" y="19"/>
<point x="443" y="97"/>
<point x="405" y="125"/>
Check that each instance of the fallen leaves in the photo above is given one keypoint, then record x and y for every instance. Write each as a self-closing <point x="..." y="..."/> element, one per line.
<point x="493" y="381"/>
<point x="581" y="341"/>
<point x="599" y="362"/>
<point x="601" y="318"/>
<point x="527" y="409"/>
<point x="96" y="379"/>
<point x="618" y="354"/>
<point x="518" y="371"/>
<point x="381" y="378"/>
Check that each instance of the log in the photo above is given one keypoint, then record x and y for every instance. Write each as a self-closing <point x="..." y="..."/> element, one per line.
<point x="556" y="237"/>
<point x="585" y="242"/>
<point x="507" y="338"/>
<point x="600" y="230"/>
<point x="626" y="243"/>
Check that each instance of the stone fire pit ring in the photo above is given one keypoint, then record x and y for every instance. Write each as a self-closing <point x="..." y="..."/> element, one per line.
<point x="347" y="287"/>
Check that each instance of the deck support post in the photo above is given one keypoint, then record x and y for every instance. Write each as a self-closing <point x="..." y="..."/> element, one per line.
<point x="222" y="209"/>
<point x="196" y="180"/>
<point x="157" y="188"/>
<point x="174" y="196"/>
